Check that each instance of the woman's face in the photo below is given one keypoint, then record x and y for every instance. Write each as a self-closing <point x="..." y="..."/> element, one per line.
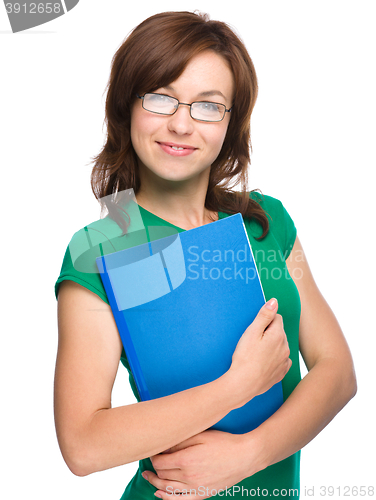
<point x="155" y="138"/>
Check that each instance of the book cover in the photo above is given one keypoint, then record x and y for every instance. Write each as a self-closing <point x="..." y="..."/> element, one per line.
<point x="181" y="304"/>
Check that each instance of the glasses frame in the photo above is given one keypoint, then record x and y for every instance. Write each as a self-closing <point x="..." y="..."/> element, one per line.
<point x="184" y="104"/>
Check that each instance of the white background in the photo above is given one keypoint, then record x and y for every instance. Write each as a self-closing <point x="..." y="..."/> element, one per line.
<point x="313" y="135"/>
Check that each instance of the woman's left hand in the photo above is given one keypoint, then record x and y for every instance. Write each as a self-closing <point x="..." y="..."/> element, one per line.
<point x="206" y="464"/>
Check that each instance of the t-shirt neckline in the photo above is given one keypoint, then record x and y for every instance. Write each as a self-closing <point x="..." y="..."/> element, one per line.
<point x="221" y="215"/>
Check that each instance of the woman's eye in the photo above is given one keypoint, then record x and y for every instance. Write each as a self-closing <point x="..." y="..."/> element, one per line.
<point x="161" y="99"/>
<point x="208" y="106"/>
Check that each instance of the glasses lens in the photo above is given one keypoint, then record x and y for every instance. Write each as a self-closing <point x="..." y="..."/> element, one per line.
<point x="159" y="103"/>
<point x="208" y="111"/>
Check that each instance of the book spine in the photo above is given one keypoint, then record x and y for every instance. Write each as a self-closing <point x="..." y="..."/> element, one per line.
<point x="254" y="261"/>
<point x="125" y="336"/>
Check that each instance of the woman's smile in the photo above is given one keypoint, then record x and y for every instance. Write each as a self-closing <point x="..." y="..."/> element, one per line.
<point x="176" y="149"/>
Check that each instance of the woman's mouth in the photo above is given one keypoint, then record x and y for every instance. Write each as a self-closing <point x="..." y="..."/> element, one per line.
<point x="176" y="149"/>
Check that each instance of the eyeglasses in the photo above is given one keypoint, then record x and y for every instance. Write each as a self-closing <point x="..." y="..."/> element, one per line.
<point x="204" y="111"/>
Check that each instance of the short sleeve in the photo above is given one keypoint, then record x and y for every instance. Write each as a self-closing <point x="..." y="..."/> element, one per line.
<point x="281" y="225"/>
<point x="79" y="263"/>
<point x="91" y="281"/>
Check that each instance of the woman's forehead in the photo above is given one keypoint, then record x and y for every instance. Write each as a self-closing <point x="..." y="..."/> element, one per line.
<point x="206" y="76"/>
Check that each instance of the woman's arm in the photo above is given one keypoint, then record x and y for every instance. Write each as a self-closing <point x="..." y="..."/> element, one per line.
<point x="93" y="436"/>
<point x="330" y="382"/>
<point x="216" y="460"/>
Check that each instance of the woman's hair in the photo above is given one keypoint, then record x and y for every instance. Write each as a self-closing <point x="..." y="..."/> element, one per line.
<point x="154" y="55"/>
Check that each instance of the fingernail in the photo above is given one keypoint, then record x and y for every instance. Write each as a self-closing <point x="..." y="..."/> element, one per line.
<point x="271" y="304"/>
<point x="145" y="475"/>
<point x="157" y="494"/>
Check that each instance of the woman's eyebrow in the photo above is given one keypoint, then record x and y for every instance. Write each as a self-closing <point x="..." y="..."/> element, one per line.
<point x="210" y="93"/>
<point x="206" y="93"/>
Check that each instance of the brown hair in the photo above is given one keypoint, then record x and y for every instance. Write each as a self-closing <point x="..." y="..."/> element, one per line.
<point x="154" y="55"/>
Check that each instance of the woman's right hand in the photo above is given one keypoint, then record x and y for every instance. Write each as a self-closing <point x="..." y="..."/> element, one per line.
<point x="261" y="358"/>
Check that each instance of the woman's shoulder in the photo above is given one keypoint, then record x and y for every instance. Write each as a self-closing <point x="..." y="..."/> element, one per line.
<point x="281" y="224"/>
<point x="267" y="202"/>
<point x="273" y="207"/>
<point x="101" y="237"/>
<point x="101" y="232"/>
<point x="85" y="245"/>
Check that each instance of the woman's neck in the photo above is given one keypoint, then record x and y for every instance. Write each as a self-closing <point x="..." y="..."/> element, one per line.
<point x="180" y="209"/>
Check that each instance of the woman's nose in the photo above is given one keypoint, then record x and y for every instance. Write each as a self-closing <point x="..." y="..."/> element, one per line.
<point x="181" y="121"/>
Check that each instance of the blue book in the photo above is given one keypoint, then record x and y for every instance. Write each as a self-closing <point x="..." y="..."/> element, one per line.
<point x="181" y="304"/>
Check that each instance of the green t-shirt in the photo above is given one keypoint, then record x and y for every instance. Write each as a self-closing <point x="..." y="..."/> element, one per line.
<point x="282" y="478"/>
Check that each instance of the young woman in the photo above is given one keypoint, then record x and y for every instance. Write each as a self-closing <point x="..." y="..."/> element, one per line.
<point x="180" y="97"/>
